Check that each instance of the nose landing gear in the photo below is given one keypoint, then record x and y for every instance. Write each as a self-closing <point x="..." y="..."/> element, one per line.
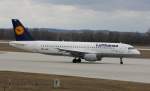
<point x="121" y="61"/>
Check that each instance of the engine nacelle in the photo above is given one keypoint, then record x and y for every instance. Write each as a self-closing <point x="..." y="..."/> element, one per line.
<point x="91" y="57"/>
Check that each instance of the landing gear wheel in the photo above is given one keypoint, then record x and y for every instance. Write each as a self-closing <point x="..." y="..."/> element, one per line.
<point x="121" y="62"/>
<point x="74" y="61"/>
<point x="79" y="60"/>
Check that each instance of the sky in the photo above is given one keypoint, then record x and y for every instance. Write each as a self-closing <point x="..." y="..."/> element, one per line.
<point x="114" y="15"/>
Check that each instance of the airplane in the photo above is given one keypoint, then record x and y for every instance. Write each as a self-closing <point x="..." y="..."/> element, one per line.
<point x="89" y="51"/>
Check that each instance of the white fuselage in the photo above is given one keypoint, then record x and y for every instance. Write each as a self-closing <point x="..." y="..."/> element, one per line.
<point x="101" y="49"/>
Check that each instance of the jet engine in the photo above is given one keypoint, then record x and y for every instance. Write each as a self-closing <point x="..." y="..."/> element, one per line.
<point x="91" y="57"/>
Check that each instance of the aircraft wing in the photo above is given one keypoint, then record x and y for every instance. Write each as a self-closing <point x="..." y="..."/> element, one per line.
<point x="75" y="52"/>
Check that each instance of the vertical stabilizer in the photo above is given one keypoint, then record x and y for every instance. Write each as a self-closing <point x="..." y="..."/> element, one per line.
<point x="21" y="33"/>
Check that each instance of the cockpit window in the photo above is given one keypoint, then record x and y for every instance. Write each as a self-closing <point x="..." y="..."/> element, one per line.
<point x="131" y="48"/>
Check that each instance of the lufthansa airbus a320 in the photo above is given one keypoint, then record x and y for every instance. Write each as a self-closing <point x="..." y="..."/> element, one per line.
<point x="90" y="51"/>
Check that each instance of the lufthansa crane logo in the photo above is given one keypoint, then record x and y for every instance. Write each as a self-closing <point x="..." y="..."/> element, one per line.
<point x="19" y="30"/>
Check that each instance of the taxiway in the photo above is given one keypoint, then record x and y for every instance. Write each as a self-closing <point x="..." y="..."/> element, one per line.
<point x="137" y="70"/>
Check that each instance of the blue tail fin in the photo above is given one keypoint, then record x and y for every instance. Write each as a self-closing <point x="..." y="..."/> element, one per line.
<point x="21" y="33"/>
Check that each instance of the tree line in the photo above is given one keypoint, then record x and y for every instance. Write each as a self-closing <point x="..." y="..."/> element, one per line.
<point x="134" y="38"/>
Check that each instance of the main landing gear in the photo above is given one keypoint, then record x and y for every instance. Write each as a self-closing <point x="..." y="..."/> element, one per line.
<point x="121" y="61"/>
<point x="76" y="60"/>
